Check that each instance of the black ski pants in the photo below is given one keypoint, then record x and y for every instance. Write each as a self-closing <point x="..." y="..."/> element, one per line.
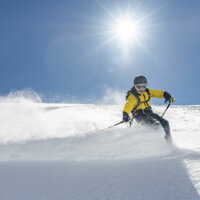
<point x="149" y="118"/>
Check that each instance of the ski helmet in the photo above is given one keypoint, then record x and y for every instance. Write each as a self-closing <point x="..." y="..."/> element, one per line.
<point x="140" y="80"/>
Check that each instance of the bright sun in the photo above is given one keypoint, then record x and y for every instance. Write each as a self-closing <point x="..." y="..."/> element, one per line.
<point x="126" y="29"/>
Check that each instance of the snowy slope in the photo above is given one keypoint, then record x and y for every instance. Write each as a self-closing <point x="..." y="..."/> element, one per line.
<point x="55" y="151"/>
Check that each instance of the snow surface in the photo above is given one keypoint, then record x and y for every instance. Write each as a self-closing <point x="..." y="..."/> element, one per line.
<point x="56" y="151"/>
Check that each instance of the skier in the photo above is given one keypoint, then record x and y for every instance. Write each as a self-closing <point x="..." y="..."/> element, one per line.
<point x="138" y="103"/>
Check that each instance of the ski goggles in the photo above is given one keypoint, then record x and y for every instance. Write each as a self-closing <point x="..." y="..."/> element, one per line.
<point x="140" y="86"/>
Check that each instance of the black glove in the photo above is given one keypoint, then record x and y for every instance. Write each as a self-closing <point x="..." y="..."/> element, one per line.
<point x="126" y="118"/>
<point x="168" y="97"/>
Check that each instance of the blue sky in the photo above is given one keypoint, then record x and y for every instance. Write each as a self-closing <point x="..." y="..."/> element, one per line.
<point x="66" y="48"/>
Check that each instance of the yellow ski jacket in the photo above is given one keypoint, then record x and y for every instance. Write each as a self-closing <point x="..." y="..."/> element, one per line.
<point x="132" y="101"/>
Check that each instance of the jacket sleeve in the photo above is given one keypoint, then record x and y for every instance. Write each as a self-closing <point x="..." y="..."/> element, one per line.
<point x="157" y="93"/>
<point x="130" y="104"/>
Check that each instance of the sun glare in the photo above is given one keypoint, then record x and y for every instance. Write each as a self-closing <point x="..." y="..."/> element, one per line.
<point x="126" y="29"/>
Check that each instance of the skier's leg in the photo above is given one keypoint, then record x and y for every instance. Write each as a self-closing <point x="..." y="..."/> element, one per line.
<point x="152" y="119"/>
<point x="141" y="118"/>
<point x="164" y="123"/>
<point x="147" y="119"/>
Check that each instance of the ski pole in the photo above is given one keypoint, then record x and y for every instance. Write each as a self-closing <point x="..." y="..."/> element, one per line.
<point x="112" y="126"/>
<point x="166" y="109"/>
<point x="170" y="102"/>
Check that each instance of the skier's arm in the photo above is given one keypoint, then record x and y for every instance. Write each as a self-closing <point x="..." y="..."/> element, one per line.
<point x="161" y="94"/>
<point x="157" y="93"/>
<point x="130" y="104"/>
